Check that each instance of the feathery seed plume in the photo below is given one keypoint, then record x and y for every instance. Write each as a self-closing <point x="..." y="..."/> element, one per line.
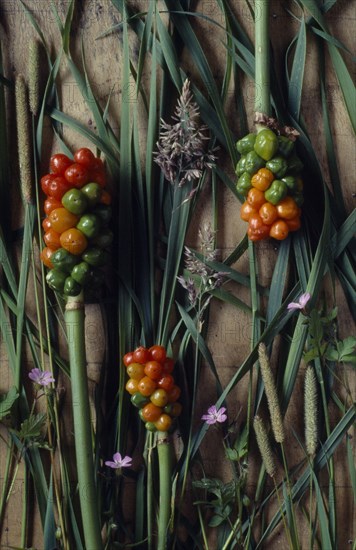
<point x="181" y="152"/>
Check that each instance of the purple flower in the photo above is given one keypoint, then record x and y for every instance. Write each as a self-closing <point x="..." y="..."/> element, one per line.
<point x="41" y="377"/>
<point x="302" y="302"/>
<point x="119" y="462"/>
<point x="214" y="415"/>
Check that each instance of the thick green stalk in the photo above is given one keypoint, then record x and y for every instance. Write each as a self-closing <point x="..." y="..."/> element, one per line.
<point x="149" y="490"/>
<point x="74" y="318"/>
<point x="262" y="61"/>
<point x="164" y="460"/>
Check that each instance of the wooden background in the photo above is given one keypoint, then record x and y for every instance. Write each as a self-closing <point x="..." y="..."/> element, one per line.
<point x="229" y="328"/>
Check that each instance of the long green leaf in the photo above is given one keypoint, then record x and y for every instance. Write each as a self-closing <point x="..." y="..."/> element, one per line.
<point x="185" y="30"/>
<point x="346" y="84"/>
<point x="295" y="85"/>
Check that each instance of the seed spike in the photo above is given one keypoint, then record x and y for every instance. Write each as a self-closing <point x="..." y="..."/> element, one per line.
<point x="33" y="76"/>
<point x="271" y="394"/>
<point x="23" y="138"/>
<point x="264" y="446"/>
<point x="310" y="411"/>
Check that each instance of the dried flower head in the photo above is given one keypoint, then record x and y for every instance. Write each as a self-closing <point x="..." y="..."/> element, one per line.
<point x="181" y="153"/>
<point x="209" y="278"/>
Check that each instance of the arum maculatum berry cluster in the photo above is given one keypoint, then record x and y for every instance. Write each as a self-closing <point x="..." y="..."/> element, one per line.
<point x="269" y="179"/>
<point x="152" y="387"/>
<point x="78" y="212"/>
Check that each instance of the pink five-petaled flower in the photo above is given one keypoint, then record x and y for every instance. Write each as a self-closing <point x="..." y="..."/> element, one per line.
<point x="302" y="302"/>
<point x="119" y="462"/>
<point x="214" y="415"/>
<point x="41" y="377"/>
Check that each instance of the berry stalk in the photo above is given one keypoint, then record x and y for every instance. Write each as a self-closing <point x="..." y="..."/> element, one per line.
<point x="262" y="58"/>
<point x="74" y="318"/>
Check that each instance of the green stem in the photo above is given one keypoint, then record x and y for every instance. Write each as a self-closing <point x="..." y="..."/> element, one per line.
<point x="74" y="318"/>
<point x="24" y="508"/>
<point x="294" y="521"/>
<point x="311" y="506"/>
<point x="164" y="461"/>
<point x="149" y="490"/>
<point x="286" y="529"/>
<point x="202" y="527"/>
<point x="262" y="61"/>
<point x="10" y="455"/>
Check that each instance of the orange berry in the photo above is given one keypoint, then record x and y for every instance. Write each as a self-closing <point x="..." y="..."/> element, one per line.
<point x="151" y="413"/>
<point x="294" y="224"/>
<point x="262" y="179"/>
<point x="268" y="213"/>
<point x="132" y="386"/>
<point x="287" y="208"/>
<point x="74" y="241"/>
<point x="163" y="423"/>
<point x="246" y="211"/>
<point x="46" y="254"/>
<point x="255" y="198"/>
<point x="146" y="386"/>
<point x="279" y="230"/>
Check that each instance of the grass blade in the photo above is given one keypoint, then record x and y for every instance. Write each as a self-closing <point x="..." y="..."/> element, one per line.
<point x="295" y="85"/>
<point x="346" y="84"/>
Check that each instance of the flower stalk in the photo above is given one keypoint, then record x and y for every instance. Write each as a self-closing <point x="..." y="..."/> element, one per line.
<point x="74" y="318"/>
<point x="165" y="490"/>
<point x="262" y="58"/>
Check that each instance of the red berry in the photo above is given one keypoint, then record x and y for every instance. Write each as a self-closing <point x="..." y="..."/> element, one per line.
<point x="128" y="358"/>
<point x="59" y="163"/>
<point x="157" y="353"/>
<point x="85" y="157"/>
<point x="141" y="355"/>
<point x="77" y="175"/>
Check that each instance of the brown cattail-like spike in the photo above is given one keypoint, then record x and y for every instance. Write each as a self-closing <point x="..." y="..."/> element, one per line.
<point x="264" y="446"/>
<point x="271" y="394"/>
<point x="310" y="411"/>
<point x="23" y="138"/>
<point x="33" y="76"/>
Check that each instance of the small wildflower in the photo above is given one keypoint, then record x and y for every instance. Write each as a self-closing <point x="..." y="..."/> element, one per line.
<point x="215" y="415"/>
<point x="302" y="302"/>
<point x="42" y="378"/>
<point x="119" y="462"/>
